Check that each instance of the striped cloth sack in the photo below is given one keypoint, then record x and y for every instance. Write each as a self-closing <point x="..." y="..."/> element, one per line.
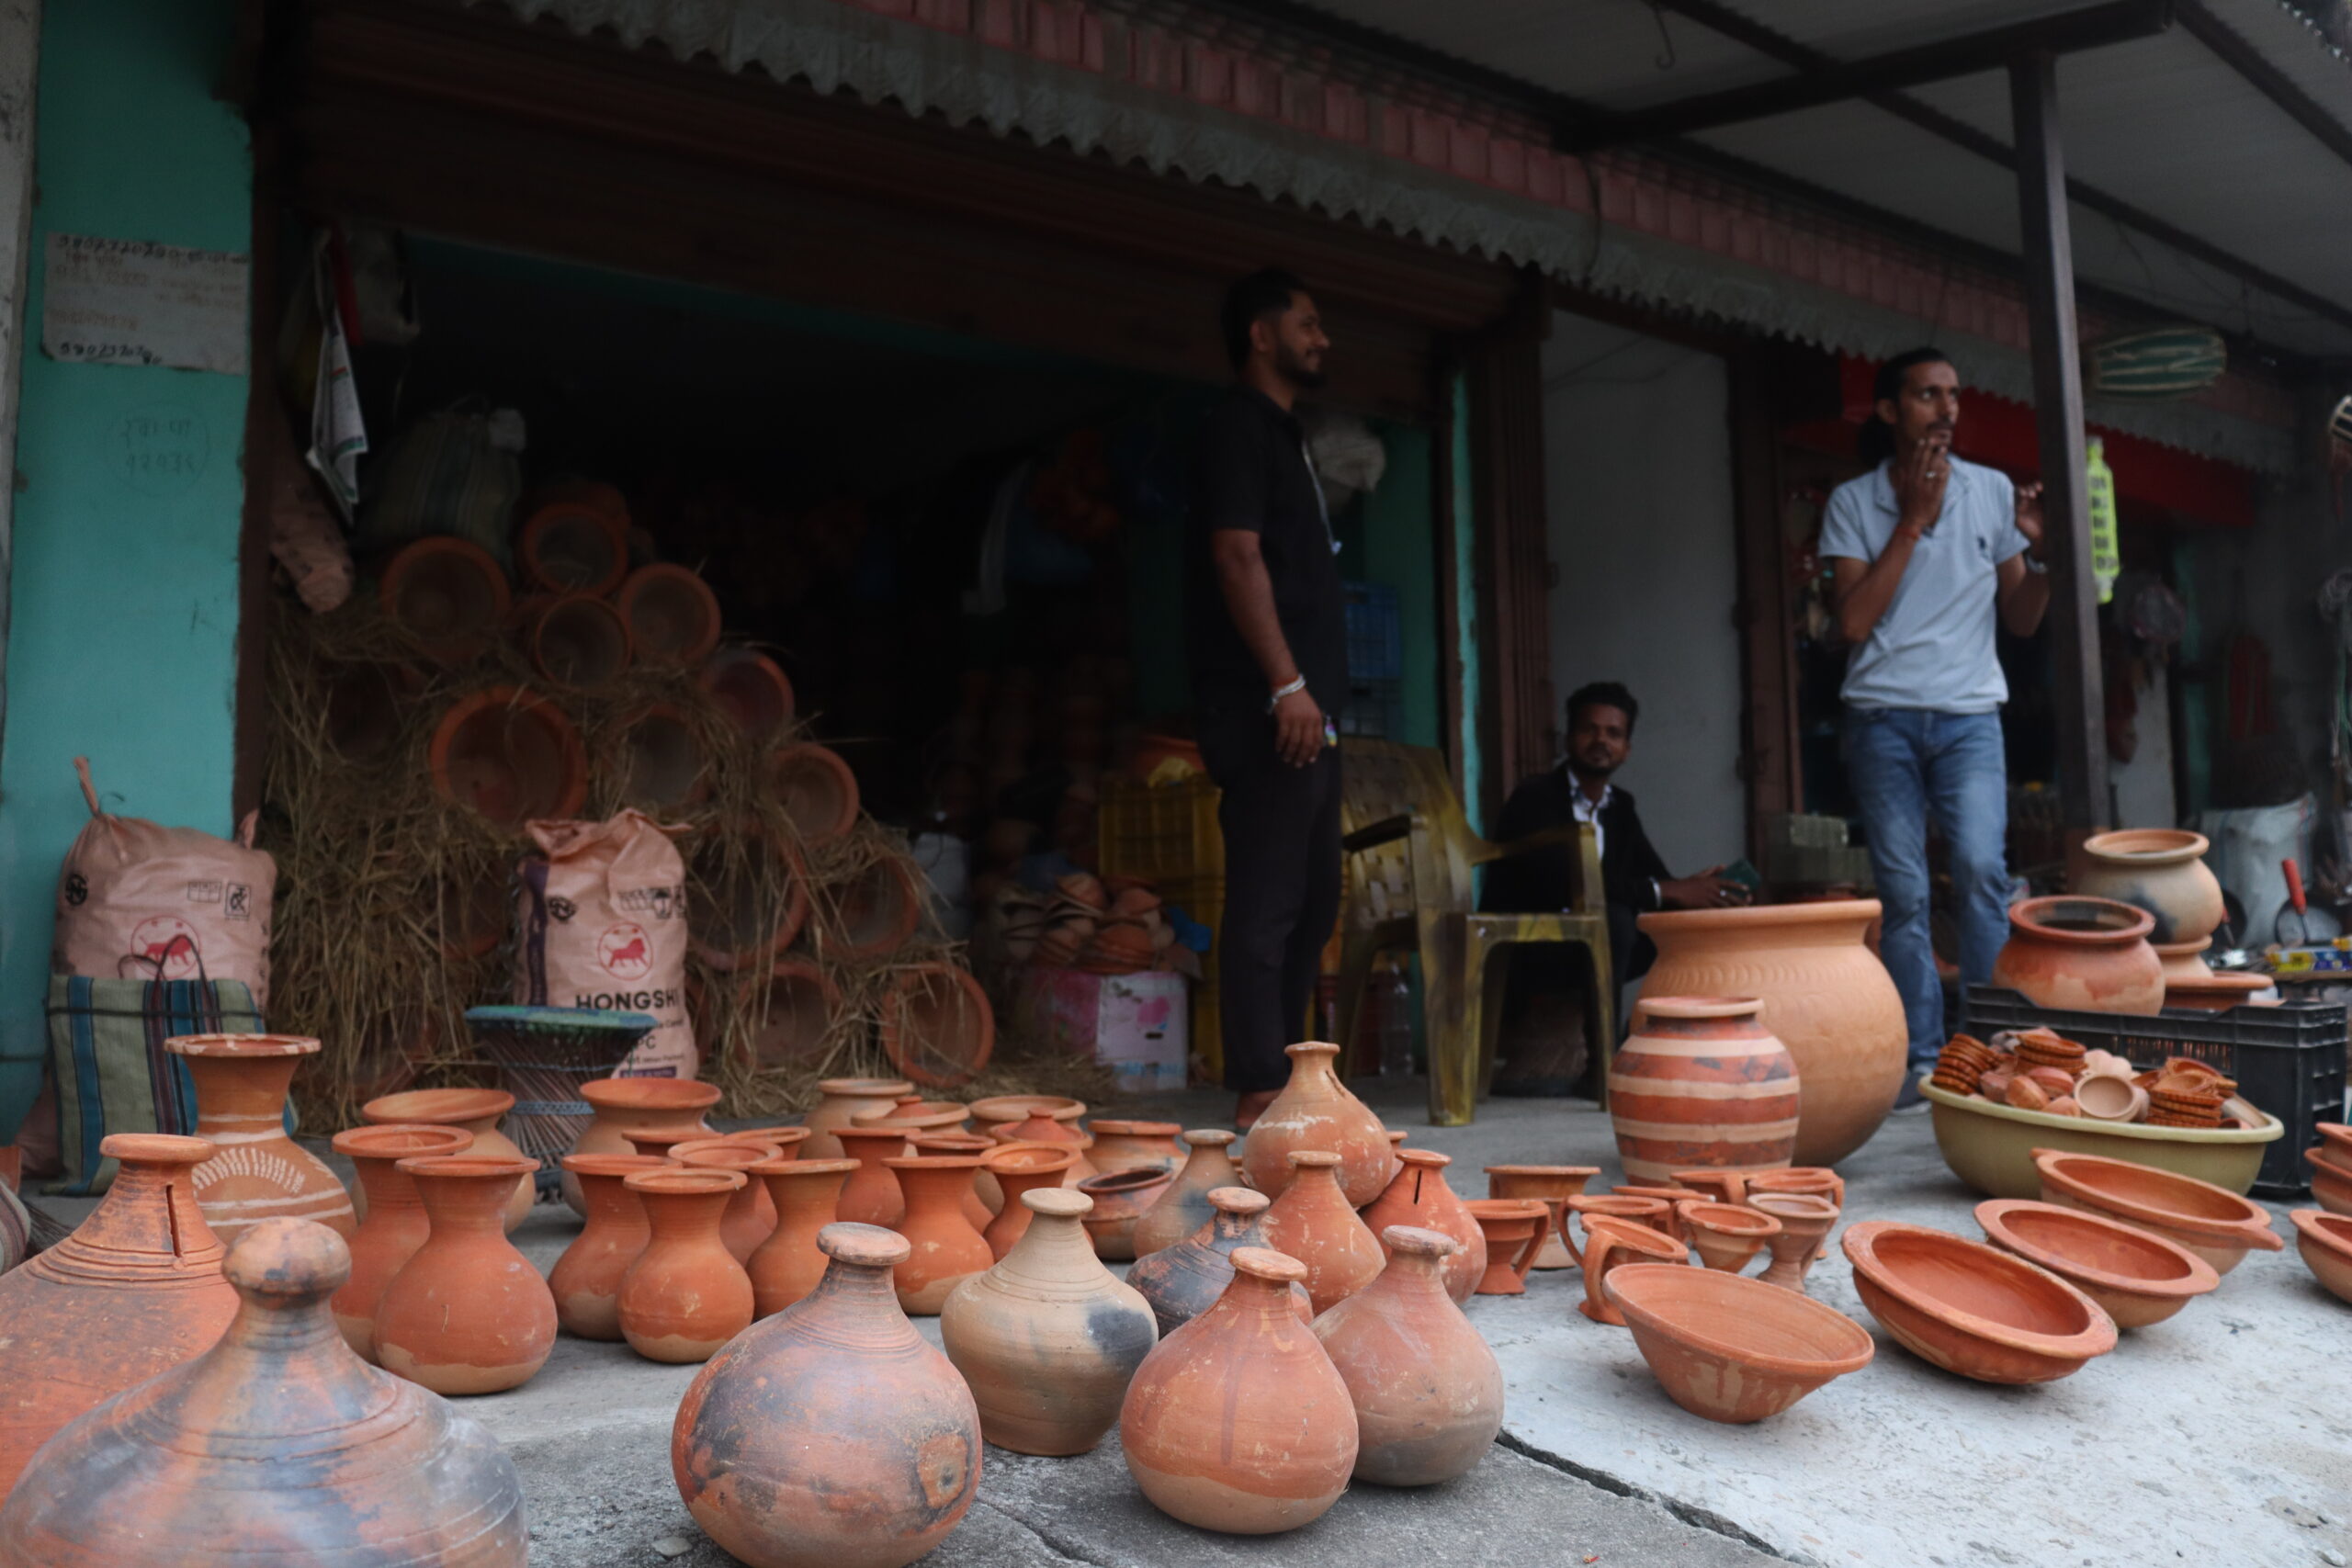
<point x="112" y="1074"/>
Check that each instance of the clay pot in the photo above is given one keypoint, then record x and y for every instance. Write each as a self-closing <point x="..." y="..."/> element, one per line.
<point x="1183" y="1206"/>
<point x="256" y="1172"/>
<point x="1313" y="1222"/>
<point x="1553" y="1186"/>
<point x="1701" y="1082"/>
<point x="1048" y="1338"/>
<point x="477" y="1110"/>
<point x="1805" y="1222"/>
<point x="1428" y="1393"/>
<point x="917" y="1115"/>
<point x="1669" y="1223"/>
<point x="2160" y="870"/>
<point x="2137" y="1278"/>
<point x="937" y="1025"/>
<point x="672" y="613"/>
<point x="1731" y="1350"/>
<point x="871" y="1196"/>
<point x="2325" y="1241"/>
<point x="1238" y="1421"/>
<point x="1810" y="1180"/>
<point x="1184" y="1281"/>
<point x="991" y="1116"/>
<point x="1135" y="1145"/>
<point x="1121" y="1199"/>
<point x="579" y="642"/>
<point x="467" y="1313"/>
<point x="446" y="598"/>
<point x="511" y="755"/>
<point x="831" y="1435"/>
<point x="1315" y="1111"/>
<point x="2103" y="1097"/>
<point x="661" y="1141"/>
<point x="1054" y="1131"/>
<point x="750" y="1218"/>
<point x="1019" y="1168"/>
<point x="1609" y="1245"/>
<point x="2083" y="955"/>
<point x="2182" y="960"/>
<point x="586" y="1281"/>
<point x="1581" y="1210"/>
<point x="751" y="690"/>
<point x="275" y="1446"/>
<point x="568" y="547"/>
<point x="136" y="1290"/>
<point x="732" y="907"/>
<point x="786" y="1266"/>
<point x="685" y="1296"/>
<point x="1419" y="1198"/>
<point x="1724" y="1235"/>
<point x="661" y="760"/>
<point x="792" y="1009"/>
<point x="815" y="789"/>
<point x="877" y="910"/>
<point x="619" y="1104"/>
<point x="985" y="1201"/>
<point x="396" y="1225"/>
<point x="1825" y="997"/>
<point x="2219" y="993"/>
<point x="947" y="1247"/>
<point x="2212" y="1221"/>
<point x="841" y="1101"/>
<point x="1973" y="1309"/>
<point x="1512" y="1229"/>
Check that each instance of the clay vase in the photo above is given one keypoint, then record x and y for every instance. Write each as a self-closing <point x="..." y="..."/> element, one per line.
<point x="986" y="1199"/>
<point x="1420" y="1198"/>
<point x="1313" y="1222"/>
<point x="1183" y="1206"/>
<point x="1048" y="1338"/>
<point x="1315" y="1112"/>
<point x="1184" y="1281"/>
<point x="1724" y="1235"/>
<point x="136" y="1290"/>
<point x="1021" y="1169"/>
<point x="1054" y="1127"/>
<point x="1512" y="1229"/>
<point x="1553" y="1186"/>
<point x="1428" y="1392"/>
<point x="475" y="1109"/>
<point x="1135" y="1145"/>
<point x="1702" y="1082"/>
<point x="276" y="1446"/>
<point x="1238" y="1421"/>
<point x="686" y="1295"/>
<point x="1121" y="1198"/>
<point x="871" y="1195"/>
<point x="1609" y="1242"/>
<point x="467" y="1313"/>
<point x="750" y="1218"/>
<point x="831" y="1435"/>
<point x="395" y="1226"/>
<point x="1827" y="997"/>
<point x="2160" y="870"/>
<point x="841" y="1100"/>
<point x="256" y="1172"/>
<point x="1805" y="1222"/>
<point x="786" y="1266"/>
<point x="2082" y="954"/>
<point x="947" y="1248"/>
<point x="618" y="1104"/>
<point x="586" y="1281"/>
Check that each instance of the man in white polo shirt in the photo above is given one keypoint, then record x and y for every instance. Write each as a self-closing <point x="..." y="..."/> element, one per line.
<point x="1925" y="551"/>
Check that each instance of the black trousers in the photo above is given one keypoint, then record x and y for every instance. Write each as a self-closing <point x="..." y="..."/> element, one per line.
<point x="1281" y="890"/>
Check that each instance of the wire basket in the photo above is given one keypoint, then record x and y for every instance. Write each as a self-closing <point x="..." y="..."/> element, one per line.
<point x="542" y="1055"/>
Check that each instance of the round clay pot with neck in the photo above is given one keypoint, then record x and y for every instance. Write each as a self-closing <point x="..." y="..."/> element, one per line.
<point x="788" y="1264"/>
<point x="1047" y="1338"/>
<point x="2081" y="955"/>
<point x="2160" y="870"/>
<point x="467" y="1313"/>
<point x="751" y="1213"/>
<point x="256" y="1172"/>
<point x="1183" y="1206"/>
<point x="396" y="1225"/>
<point x="1701" y="1081"/>
<point x="831" y="1435"/>
<point x="946" y="1249"/>
<point x="1056" y="1127"/>
<point x="1135" y="1145"/>
<point x="1428" y="1392"/>
<point x="1121" y="1199"/>
<point x="1184" y="1281"/>
<point x="1018" y="1169"/>
<point x="620" y="1104"/>
<point x="1419" y="1198"/>
<point x="986" y="1199"/>
<point x="586" y="1281"/>
<point x="841" y="1101"/>
<point x="1313" y="1222"/>
<point x="475" y="1109"/>
<point x="685" y="1296"/>
<point x="1316" y="1111"/>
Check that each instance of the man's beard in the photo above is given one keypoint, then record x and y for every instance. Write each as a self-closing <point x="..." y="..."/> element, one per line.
<point x="1586" y="766"/>
<point x="1295" y="372"/>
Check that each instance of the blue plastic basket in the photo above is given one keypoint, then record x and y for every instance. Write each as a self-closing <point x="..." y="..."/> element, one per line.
<point x="1375" y="637"/>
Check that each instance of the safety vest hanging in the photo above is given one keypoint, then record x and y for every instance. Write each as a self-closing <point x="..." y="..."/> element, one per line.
<point x="2098" y="493"/>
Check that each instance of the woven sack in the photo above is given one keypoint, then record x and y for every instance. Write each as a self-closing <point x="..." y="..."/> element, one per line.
<point x="109" y="1066"/>
<point x="604" y="923"/>
<point x="447" y="473"/>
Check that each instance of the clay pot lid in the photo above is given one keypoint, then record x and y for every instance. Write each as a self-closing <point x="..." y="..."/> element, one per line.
<point x="1429" y="1157"/>
<point x="865" y="1088"/>
<point x="157" y="1148"/>
<point x="1774" y="1330"/>
<point x="1009" y="1108"/>
<point x="954" y="1143"/>
<point x="399" y="1140"/>
<point x="2074" y="920"/>
<point x="1209" y="1138"/>
<point x="2221" y="982"/>
<point x="2159" y="1197"/>
<point x="1698" y="1008"/>
<point x="1587" y="1171"/>
<point x="1265" y="1263"/>
<point x="1063" y="1203"/>
<point x="787" y="1166"/>
<point x="287" y="1260"/>
<point x="2147" y="846"/>
<point x="460" y="1167"/>
<point x="1637" y="1237"/>
<point x="1855" y="912"/>
<point x="1314" y="1159"/>
<point x="1122" y="1182"/>
<point x="1905" y="1261"/>
<point x="1101" y="1128"/>
<point x="1732" y="1218"/>
<point x="679" y="1181"/>
<point x="437" y="1107"/>
<point x="649" y="1094"/>
<point x="2332" y="1232"/>
<point x="781" y="1137"/>
<point x="241" y="1045"/>
<point x="718" y="1154"/>
<point x="2066" y="1241"/>
<point x="934" y="1162"/>
<point x="1238" y="1200"/>
<point x="612" y="1165"/>
<point x="1419" y="1241"/>
<point x="1017" y="1159"/>
<point x="865" y="1246"/>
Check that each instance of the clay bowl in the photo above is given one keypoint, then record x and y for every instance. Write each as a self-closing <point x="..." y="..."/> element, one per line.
<point x="2330" y="1180"/>
<point x="672" y="613"/>
<point x="579" y="642"/>
<point x="2137" y="1277"/>
<point x="1732" y="1349"/>
<point x="1973" y="1309"/>
<point x="1724" y="1235"/>
<point x="662" y="761"/>
<point x="2212" y="1221"/>
<point x="751" y="690"/>
<point x="2325" y="1242"/>
<point x="2337" y="1138"/>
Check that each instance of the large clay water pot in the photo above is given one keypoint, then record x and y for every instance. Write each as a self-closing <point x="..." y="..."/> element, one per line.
<point x="467" y="1313"/>
<point x="1316" y="1111"/>
<point x="276" y="1446"/>
<point x="256" y="1172"/>
<point x="1184" y="1281"/>
<point x="1313" y="1222"/>
<point x="1048" y="1338"/>
<point x="2161" y="870"/>
<point x="786" y="1266"/>
<point x="831" y="1435"/>
<point x="477" y="1110"/>
<point x="947" y="1250"/>
<point x="621" y="1105"/>
<point x="586" y="1281"/>
<point x="1428" y="1392"/>
<point x="1182" y="1206"/>
<point x="685" y="1296"/>
<point x="1420" y="1198"/>
<point x="1825" y="997"/>
<point x="2081" y="955"/>
<point x="396" y="1224"/>
<point x="1701" y="1081"/>
<point x="136" y="1290"/>
<point x="840" y="1102"/>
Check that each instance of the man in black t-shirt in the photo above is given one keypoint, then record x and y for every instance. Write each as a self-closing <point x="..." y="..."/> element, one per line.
<point x="1270" y="661"/>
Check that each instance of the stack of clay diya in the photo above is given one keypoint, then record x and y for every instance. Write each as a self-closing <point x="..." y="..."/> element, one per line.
<point x="2186" y="1093"/>
<point x="2036" y="1069"/>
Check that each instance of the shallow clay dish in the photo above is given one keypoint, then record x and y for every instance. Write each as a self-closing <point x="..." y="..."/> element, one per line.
<point x="1973" y="1309"/>
<point x="2325" y="1242"/>
<point x="2139" y="1279"/>
<point x="2216" y="1225"/>
<point x="1729" y="1349"/>
<point x="2331" y="1177"/>
<point x="1991" y="1147"/>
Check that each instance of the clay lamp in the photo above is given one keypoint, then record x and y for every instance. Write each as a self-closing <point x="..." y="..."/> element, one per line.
<point x="1731" y="1350"/>
<point x="1585" y="1207"/>
<point x="2103" y="1097"/>
<point x="2138" y="1278"/>
<point x="1553" y="1185"/>
<point x="2325" y="1242"/>
<point x="1724" y="1235"/>
<point x="1973" y="1309"/>
<point x="1805" y="1224"/>
<point x="2212" y="1221"/>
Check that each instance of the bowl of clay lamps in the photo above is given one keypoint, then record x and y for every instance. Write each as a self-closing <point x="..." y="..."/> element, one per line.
<point x="1729" y="1349"/>
<point x="2331" y="1177"/>
<point x="2324" y="1240"/>
<point x="1973" y="1309"/>
<point x="2216" y="1225"/>
<point x="1991" y="1147"/>
<point x="2138" y="1278"/>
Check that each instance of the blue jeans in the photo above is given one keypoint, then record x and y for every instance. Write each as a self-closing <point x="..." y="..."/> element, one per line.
<point x="1908" y="766"/>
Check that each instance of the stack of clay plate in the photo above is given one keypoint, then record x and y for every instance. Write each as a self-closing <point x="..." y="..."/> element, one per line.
<point x="1963" y="1060"/>
<point x="2184" y="1093"/>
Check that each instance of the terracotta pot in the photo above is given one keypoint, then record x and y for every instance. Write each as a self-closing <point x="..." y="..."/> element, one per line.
<point x="732" y="907"/>
<point x="1669" y="1223"/>
<point x="1553" y="1186"/>
<point x="475" y="1109"/>
<point x="1700" y="1081"/>
<point x="985" y="1200"/>
<point x="1731" y="1350"/>
<point x="2137" y="1278"/>
<point x="136" y="1290"/>
<point x="750" y="1217"/>
<point x="2326" y="1242"/>
<point x="1720" y="1186"/>
<point x="2219" y="993"/>
<point x="1724" y="1235"/>
<point x="1315" y="1111"/>
<point x="685" y="1296"/>
<point x="1184" y="1281"/>
<point x="1058" y="1132"/>
<point x="256" y="1172"/>
<point x="2083" y="955"/>
<point x="661" y="1141"/>
<point x="446" y="598"/>
<point x="751" y="690"/>
<point x="2331" y="1181"/>
<point x="619" y="1104"/>
<point x="1609" y="1245"/>
<point x="1420" y="1199"/>
<point x="1022" y="1168"/>
<point x="786" y="1266"/>
<point x="791" y="1007"/>
<point x="1428" y="1393"/>
<point x="1813" y="1180"/>
<point x="586" y="1281"/>
<point x="871" y="1195"/>
<point x="1121" y="1199"/>
<point x="787" y="1140"/>
<point x="815" y="789"/>
<point x="1313" y="1222"/>
<point x="277" y="1445"/>
<point x="578" y="642"/>
<point x="396" y="1225"/>
<point x="672" y="613"/>
<point x="1511" y="1232"/>
<point x="2160" y="870"/>
<point x="947" y="1248"/>
<point x="1973" y="1309"/>
<point x="467" y="1313"/>
<point x="831" y="1435"/>
<point x="661" y="760"/>
<point x="509" y="754"/>
<point x="1238" y="1422"/>
<point x="2182" y="960"/>
<point x="1805" y="1222"/>
<point x="1827" y="997"/>
<point x="2212" y="1221"/>
<point x="1048" y="1338"/>
<point x="998" y="1112"/>
<point x="1135" y="1145"/>
<point x="568" y="547"/>
<point x="1581" y="1210"/>
<point x="840" y="1102"/>
<point x="917" y="1115"/>
<point x="1183" y="1207"/>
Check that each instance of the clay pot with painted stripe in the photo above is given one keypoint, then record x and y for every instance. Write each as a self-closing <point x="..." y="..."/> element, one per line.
<point x="256" y="1172"/>
<point x="1702" y="1082"/>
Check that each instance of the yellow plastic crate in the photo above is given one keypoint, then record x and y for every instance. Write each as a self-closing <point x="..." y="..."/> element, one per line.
<point x="1168" y="837"/>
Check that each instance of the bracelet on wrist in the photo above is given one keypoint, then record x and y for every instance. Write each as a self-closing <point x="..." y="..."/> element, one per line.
<point x="1295" y="683"/>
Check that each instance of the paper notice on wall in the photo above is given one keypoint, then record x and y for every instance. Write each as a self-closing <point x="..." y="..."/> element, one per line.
<point x="135" y="302"/>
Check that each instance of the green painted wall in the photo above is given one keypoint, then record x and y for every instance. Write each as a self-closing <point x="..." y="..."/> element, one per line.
<point x="121" y="643"/>
<point x="1400" y="550"/>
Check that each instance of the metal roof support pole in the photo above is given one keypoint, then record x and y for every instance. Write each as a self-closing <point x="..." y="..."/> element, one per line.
<point x="2058" y="413"/>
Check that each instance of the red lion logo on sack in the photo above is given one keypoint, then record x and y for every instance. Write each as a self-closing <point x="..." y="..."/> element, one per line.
<point x="161" y="948"/>
<point x="625" y="952"/>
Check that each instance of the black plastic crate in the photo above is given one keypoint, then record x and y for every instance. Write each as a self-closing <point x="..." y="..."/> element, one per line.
<point x="2289" y="1061"/>
<point x="1375" y="632"/>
